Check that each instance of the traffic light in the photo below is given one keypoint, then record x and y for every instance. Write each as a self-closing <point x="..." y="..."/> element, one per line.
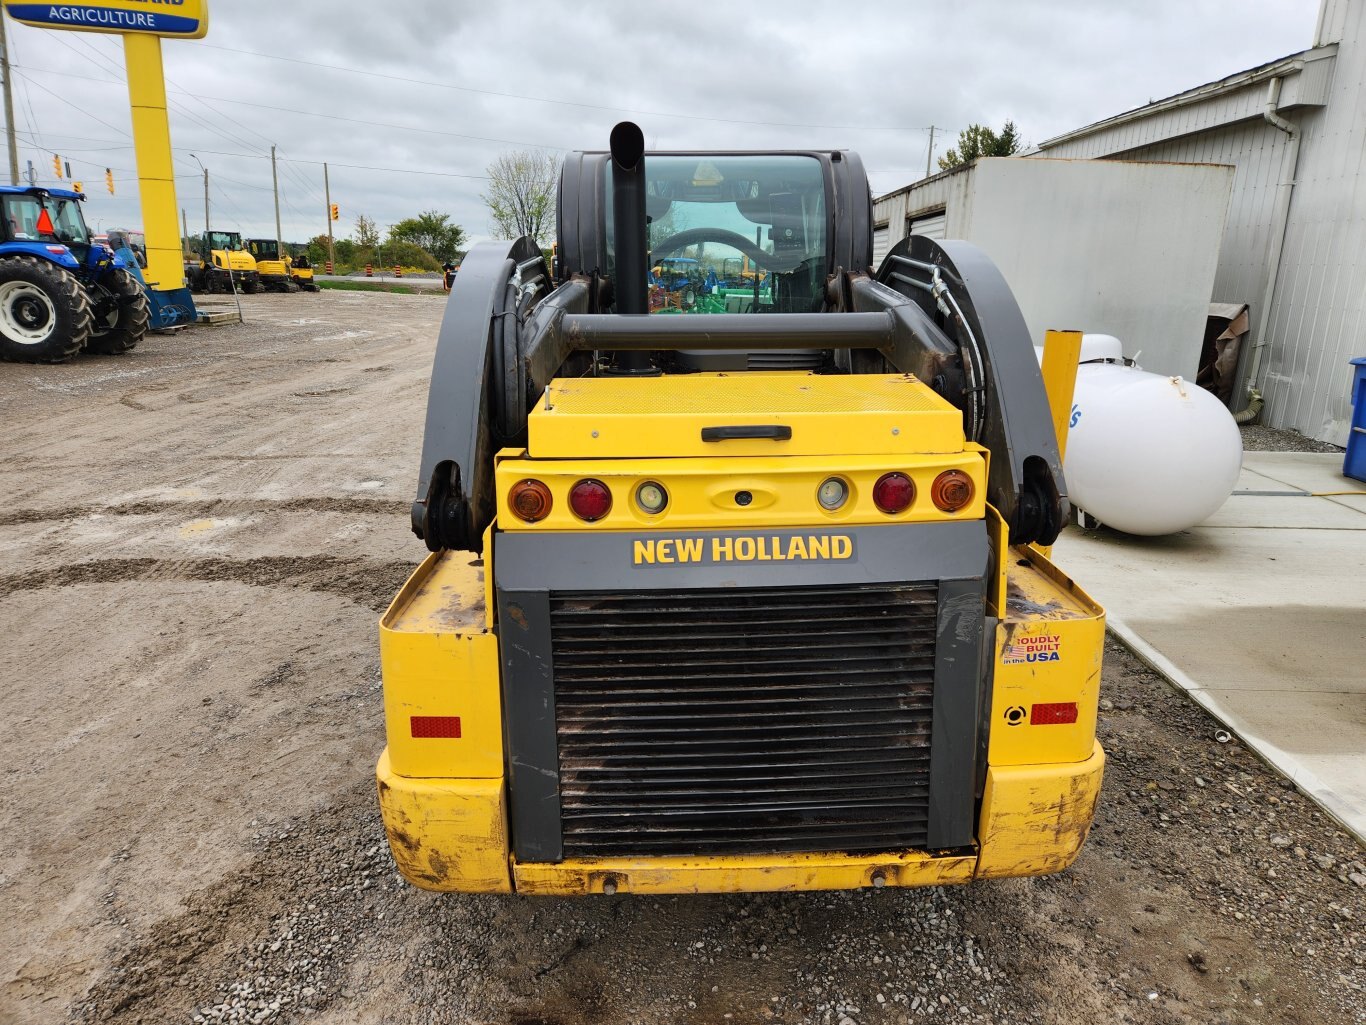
<point x="336" y="216"/>
<point x="78" y="186"/>
<point x="56" y="165"/>
<point x="109" y="180"/>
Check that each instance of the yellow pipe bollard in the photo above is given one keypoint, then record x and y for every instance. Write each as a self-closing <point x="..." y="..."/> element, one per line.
<point x="1061" y="355"/>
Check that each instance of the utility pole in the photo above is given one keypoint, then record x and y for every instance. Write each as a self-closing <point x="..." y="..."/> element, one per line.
<point x="275" y="182"/>
<point x="185" y="228"/>
<point x="327" y="198"/>
<point x="204" y="247"/>
<point x="9" y="108"/>
<point x="929" y="156"/>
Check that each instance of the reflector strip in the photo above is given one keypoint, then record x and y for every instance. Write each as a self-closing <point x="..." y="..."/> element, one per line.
<point x="1061" y="713"/>
<point x="446" y="726"/>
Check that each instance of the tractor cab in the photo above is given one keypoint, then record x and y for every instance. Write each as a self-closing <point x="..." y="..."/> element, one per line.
<point x="48" y="216"/>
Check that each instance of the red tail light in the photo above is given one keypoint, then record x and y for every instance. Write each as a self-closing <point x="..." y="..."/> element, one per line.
<point x="530" y="499"/>
<point x="590" y="499"/>
<point x="893" y="492"/>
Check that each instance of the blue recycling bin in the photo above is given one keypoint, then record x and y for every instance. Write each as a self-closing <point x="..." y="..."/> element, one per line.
<point x="1354" y="464"/>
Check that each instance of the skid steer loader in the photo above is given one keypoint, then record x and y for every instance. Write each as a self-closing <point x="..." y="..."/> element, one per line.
<point x="740" y="600"/>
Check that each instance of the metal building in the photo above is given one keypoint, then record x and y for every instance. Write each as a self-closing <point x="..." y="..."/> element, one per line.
<point x="1294" y="239"/>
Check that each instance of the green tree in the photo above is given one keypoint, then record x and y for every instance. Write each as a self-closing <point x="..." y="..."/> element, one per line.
<point x="521" y="195"/>
<point x="367" y="234"/>
<point x="433" y="232"/>
<point x="980" y="141"/>
<point x="405" y="254"/>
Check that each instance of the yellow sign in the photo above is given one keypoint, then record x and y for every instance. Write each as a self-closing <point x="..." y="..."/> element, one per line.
<point x="676" y="550"/>
<point x="175" y="19"/>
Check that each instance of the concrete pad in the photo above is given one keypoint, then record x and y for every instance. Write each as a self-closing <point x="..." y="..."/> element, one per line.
<point x="1309" y="471"/>
<point x="1259" y="613"/>
<point x="1294" y="510"/>
<point x="1356" y="502"/>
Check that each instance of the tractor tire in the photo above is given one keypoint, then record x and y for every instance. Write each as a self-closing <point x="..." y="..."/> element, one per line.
<point x="44" y="311"/>
<point x="126" y="325"/>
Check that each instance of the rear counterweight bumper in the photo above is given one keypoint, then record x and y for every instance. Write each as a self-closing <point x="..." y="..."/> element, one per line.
<point x="451" y="835"/>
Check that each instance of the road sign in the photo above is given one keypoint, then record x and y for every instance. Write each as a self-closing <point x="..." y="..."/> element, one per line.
<point x="174" y="19"/>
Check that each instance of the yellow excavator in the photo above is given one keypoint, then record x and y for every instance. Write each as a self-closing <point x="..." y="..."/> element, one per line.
<point x="281" y="272"/>
<point x="220" y="263"/>
<point x="746" y="600"/>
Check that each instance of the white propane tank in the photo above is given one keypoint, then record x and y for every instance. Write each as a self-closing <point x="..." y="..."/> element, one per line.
<point x="1147" y="454"/>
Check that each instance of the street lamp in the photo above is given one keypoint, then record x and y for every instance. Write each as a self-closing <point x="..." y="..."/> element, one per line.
<point x="206" y="197"/>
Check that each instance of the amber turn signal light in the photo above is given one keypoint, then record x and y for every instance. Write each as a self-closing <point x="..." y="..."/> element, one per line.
<point x="530" y="499"/>
<point x="952" y="490"/>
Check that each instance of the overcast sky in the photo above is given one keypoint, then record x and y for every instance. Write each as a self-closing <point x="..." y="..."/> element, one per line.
<point x="434" y="91"/>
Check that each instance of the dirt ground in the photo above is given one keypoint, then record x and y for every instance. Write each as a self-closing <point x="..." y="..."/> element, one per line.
<point x="195" y="540"/>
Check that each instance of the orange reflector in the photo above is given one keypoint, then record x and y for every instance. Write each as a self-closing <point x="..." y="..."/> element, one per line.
<point x="45" y="224"/>
<point x="1058" y="714"/>
<point x="425" y="727"/>
<point x="951" y="490"/>
<point x="530" y="499"/>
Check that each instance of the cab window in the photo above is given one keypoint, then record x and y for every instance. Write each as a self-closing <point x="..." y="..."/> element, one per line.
<point x="734" y="233"/>
<point x="24" y="215"/>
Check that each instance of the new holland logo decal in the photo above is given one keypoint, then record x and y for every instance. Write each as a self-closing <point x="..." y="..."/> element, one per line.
<point x="672" y="551"/>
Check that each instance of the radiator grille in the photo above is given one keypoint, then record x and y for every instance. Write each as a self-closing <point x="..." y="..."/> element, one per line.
<point x="744" y="720"/>
<point x="786" y="359"/>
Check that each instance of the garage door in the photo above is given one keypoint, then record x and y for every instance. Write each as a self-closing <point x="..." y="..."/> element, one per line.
<point x="881" y="243"/>
<point x="931" y="226"/>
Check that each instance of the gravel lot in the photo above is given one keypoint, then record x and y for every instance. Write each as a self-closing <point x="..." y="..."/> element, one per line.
<point x="195" y="543"/>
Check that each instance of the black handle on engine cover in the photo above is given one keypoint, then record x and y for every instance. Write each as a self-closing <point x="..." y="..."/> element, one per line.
<point x="778" y="432"/>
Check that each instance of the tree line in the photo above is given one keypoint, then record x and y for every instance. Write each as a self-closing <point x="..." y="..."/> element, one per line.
<point x="520" y="198"/>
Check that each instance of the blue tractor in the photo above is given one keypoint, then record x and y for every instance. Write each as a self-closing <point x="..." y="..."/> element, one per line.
<point x="59" y="291"/>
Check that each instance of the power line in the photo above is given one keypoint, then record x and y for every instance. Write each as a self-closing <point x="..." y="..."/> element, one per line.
<point x="112" y="64"/>
<point x="314" y="113"/>
<point x="37" y="143"/>
<point x="237" y="140"/>
<point x="357" y="167"/>
<point x="63" y="99"/>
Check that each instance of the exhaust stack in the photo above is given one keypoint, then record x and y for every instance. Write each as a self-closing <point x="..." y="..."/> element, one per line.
<point x="628" y="215"/>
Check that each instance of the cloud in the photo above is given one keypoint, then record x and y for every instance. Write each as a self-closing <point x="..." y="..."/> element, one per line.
<point x="435" y="91"/>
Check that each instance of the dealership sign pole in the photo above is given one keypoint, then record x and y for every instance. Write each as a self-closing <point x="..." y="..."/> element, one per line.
<point x="142" y="23"/>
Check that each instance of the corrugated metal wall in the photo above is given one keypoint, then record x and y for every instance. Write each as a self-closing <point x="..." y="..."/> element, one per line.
<point x="1256" y="150"/>
<point x="924" y="199"/>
